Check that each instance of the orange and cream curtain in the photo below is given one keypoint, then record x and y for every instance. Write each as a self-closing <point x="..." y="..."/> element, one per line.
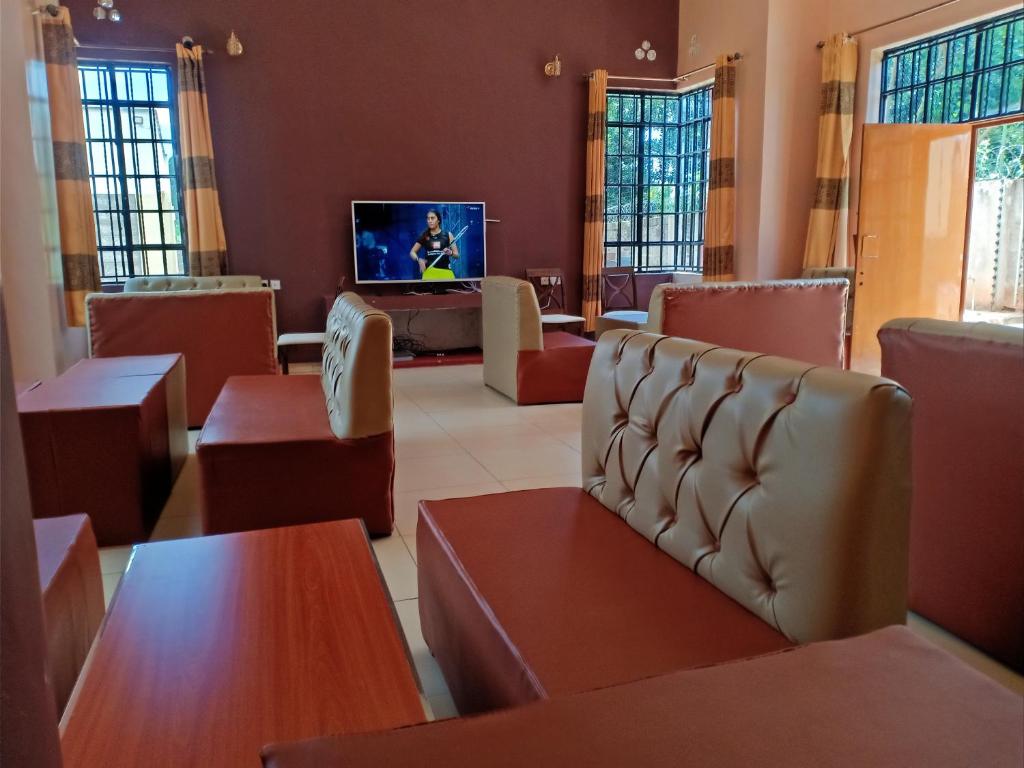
<point x="828" y="229"/>
<point x="593" y="215"/>
<point x="207" y="246"/>
<point x="71" y="166"/>
<point x="720" y="223"/>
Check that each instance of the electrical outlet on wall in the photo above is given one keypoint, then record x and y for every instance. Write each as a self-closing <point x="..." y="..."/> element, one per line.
<point x="275" y="285"/>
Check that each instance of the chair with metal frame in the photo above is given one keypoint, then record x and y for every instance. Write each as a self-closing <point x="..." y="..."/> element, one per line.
<point x="619" y="301"/>
<point x="549" y="285"/>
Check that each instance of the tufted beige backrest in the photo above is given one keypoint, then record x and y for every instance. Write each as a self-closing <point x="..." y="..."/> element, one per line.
<point x="785" y="485"/>
<point x="511" y="323"/>
<point x="356" y="371"/>
<point x="185" y="283"/>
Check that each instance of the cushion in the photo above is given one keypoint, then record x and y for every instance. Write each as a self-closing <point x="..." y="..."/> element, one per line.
<point x="888" y="698"/>
<point x="268" y="457"/>
<point x="544" y="593"/>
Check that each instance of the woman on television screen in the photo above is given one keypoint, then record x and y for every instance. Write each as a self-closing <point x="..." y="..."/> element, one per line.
<point x="434" y="250"/>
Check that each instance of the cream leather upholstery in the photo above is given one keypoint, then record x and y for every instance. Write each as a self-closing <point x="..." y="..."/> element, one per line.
<point x="356" y="373"/>
<point x="785" y="485"/>
<point x="185" y="283"/>
<point x="511" y="322"/>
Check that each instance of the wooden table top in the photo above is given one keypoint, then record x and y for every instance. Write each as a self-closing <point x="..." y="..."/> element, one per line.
<point x="216" y="646"/>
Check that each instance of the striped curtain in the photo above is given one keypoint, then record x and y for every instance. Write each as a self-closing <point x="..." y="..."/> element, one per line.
<point x="720" y="226"/>
<point x="828" y="229"/>
<point x="71" y="166"/>
<point x="207" y="246"/>
<point x="593" y="215"/>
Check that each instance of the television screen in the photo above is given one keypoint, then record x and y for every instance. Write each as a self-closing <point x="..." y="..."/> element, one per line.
<point x="410" y="242"/>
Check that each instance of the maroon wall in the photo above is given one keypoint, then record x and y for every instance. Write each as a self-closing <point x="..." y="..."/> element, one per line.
<point x="396" y="99"/>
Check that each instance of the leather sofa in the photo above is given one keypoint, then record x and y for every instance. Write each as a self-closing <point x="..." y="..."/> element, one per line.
<point x="223" y="326"/>
<point x="800" y="319"/>
<point x="967" y="523"/>
<point x="732" y="504"/>
<point x="72" y="587"/>
<point x="106" y="438"/>
<point x="522" y="361"/>
<point x="888" y="698"/>
<point x="283" y="450"/>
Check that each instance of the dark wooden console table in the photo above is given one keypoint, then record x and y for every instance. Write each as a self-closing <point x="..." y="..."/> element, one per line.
<point x="431" y="322"/>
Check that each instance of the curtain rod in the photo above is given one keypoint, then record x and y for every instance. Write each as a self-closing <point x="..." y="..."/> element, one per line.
<point x="681" y="78"/>
<point x="915" y="14"/>
<point x="187" y="41"/>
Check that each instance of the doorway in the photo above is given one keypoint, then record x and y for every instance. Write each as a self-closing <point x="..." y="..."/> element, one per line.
<point x="993" y="289"/>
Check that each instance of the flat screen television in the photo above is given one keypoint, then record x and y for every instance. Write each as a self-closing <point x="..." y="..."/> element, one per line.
<point x="405" y="242"/>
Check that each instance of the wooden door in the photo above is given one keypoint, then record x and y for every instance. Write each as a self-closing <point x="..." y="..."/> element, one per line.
<point x="914" y="188"/>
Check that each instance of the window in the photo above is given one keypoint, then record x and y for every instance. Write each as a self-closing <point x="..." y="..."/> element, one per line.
<point x="965" y="74"/>
<point x="131" y="133"/>
<point x="656" y="179"/>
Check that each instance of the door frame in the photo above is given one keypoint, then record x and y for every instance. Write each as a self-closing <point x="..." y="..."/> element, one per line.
<point x="977" y="125"/>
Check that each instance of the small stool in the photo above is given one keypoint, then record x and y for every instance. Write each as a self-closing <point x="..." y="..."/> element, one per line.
<point x="288" y="340"/>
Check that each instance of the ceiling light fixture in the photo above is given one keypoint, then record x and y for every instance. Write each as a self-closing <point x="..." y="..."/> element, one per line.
<point x="645" y="51"/>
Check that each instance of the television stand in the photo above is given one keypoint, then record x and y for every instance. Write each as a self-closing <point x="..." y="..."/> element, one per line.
<point x="436" y="322"/>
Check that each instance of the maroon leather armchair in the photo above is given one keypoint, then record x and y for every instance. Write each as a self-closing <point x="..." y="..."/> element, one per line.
<point x="967" y="523"/>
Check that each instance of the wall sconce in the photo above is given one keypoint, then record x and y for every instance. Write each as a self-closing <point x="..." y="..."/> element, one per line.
<point x="554" y="67"/>
<point x="645" y="52"/>
<point x="105" y="10"/>
<point x="234" y="46"/>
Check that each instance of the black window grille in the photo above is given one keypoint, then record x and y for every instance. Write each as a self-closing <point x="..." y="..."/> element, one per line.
<point x="656" y="179"/>
<point x="965" y="74"/>
<point x="131" y="139"/>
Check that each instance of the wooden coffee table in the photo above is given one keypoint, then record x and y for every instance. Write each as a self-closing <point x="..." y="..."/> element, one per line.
<point x="214" y="647"/>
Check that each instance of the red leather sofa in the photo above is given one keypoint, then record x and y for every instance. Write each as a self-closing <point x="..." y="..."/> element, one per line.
<point x="106" y="440"/>
<point x="967" y="523"/>
<point x="222" y="326"/>
<point x="887" y="698"/>
<point x="520" y="360"/>
<point x="283" y="450"/>
<point x="69" y="574"/>
<point x="799" y="319"/>
<point x="732" y="505"/>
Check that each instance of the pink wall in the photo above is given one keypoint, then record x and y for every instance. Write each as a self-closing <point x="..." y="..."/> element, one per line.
<point x="400" y="100"/>
<point x="777" y="91"/>
<point x="718" y="29"/>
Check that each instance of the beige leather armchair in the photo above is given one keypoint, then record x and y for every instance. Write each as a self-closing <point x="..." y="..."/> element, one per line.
<point x="287" y="450"/>
<point x="520" y="360"/>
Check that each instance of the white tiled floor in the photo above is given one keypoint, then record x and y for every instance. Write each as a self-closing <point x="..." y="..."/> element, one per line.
<point x="454" y="438"/>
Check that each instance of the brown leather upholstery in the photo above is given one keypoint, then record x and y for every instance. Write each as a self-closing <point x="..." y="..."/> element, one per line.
<point x="221" y="333"/>
<point x="72" y="587"/>
<point x="521" y="361"/>
<point x="28" y="718"/>
<point x="783" y="485"/>
<point x="786" y="486"/>
<point x="967" y="524"/>
<point x="172" y="368"/>
<point x="283" y="450"/>
<point x="544" y="593"/>
<point x="799" y="319"/>
<point x="885" y="699"/>
<point x="99" y="446"/>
